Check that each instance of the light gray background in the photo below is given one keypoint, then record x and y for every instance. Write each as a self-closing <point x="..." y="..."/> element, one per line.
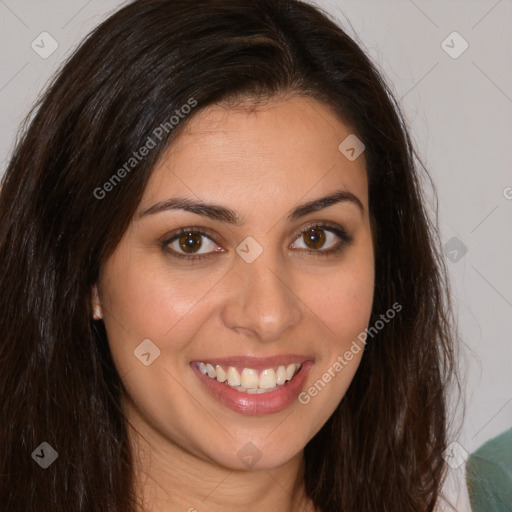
<point x="460" y="116"/>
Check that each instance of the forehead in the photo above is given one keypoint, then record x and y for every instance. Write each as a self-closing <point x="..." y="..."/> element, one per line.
<point x="277" y="153"/>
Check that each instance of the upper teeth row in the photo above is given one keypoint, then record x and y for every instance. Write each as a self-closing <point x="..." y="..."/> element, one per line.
<point x="249" y="378"/>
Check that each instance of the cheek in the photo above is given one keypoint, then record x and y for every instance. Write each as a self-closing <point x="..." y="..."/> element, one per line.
<point x="342" y="300"/>
<point x="151" y="301"/>
<point x="341" y="309"/>
<point x="350" y="310"/>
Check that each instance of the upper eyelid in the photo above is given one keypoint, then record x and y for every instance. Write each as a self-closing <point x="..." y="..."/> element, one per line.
<point x="167" y="238"/>
<point x="327" y="226"/>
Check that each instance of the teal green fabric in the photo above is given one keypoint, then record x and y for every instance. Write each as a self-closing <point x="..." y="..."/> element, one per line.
<point x="489" y="475"/>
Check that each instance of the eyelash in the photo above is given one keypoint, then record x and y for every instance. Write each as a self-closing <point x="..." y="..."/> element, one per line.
<point x="340" y="232"/>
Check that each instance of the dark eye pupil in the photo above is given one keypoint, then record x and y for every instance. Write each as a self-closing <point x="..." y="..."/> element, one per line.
<point x="314" y="238"/>
<point x="190" y="242"/>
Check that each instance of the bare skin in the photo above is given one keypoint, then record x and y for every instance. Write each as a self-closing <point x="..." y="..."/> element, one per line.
<point x="260" y="163"/>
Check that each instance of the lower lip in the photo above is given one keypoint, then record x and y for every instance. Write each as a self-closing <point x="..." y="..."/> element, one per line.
<point x="256" y="404"/>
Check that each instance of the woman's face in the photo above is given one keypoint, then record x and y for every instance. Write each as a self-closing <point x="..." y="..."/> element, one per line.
<point x="241" y="289"/>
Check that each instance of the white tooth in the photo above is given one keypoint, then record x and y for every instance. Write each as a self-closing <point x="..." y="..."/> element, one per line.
<point x="221" y="374"/>
<point x="267" y="379"/>
<point x="249" y="378"/>
<point x="256" y="391"/>
<point x="233" y="377"/>
<point x="211" y="371"/>
<point x="202" y="368"/>
<point x="281" y="375"/>
<point x="290" y="371"/>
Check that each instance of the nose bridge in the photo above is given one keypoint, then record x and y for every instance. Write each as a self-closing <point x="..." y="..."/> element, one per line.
<point x="262" y="304"/>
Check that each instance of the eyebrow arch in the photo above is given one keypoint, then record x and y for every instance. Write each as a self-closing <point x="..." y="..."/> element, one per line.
<point x="221" y="213"/>
<point x="339" y="196"/>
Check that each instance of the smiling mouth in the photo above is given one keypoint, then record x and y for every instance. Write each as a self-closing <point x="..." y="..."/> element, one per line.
<point x="250" y="380"/>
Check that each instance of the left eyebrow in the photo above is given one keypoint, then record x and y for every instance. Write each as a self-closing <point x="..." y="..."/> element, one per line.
<point x="221" y="213"/>
<point x="339" y="196"/>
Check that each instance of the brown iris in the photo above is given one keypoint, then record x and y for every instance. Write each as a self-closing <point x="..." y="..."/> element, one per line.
<point x="314" y="238"/>
<point x="190" y="242"/>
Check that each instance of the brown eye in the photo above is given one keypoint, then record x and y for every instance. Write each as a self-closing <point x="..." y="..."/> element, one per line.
<point x="322" y="239"/>
<point x="190" y="242"/>
<point x="314" y="238"/>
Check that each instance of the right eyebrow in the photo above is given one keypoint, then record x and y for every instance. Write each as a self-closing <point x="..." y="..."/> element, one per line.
<point x="213" y="211"/>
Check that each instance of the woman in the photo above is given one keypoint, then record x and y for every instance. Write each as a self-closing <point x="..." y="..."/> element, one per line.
<point x="220" y="288"/>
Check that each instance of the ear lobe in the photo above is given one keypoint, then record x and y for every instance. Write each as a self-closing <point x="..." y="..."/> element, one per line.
<point x="95" y="303"/>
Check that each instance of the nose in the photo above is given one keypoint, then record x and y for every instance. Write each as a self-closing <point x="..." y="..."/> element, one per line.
<point x="262" y="303"/>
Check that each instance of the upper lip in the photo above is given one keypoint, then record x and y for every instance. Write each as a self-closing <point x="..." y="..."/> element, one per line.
<point x="255" y="362"/>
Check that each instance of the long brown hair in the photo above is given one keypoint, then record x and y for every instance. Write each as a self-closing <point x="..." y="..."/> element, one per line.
<point x="381" y="449"/>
